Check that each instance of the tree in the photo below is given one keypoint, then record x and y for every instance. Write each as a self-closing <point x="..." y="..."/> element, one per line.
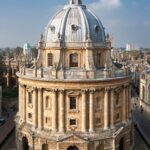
<point x="34" y="52"/>
<point x="18" y="51"/>
<point x="1" y="67"/>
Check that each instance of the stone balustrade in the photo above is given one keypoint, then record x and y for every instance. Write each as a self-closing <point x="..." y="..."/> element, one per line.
<point x="51" y="73"/>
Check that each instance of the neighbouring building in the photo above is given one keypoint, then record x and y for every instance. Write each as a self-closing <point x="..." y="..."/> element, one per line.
<point x="145" y="90"/>
<point x="73" y="97"/>
<point x="0" y="101"/>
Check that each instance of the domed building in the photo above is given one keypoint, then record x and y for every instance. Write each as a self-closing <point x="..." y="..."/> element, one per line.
<point x="26" y="49"/>
<point x="74" y="98"/>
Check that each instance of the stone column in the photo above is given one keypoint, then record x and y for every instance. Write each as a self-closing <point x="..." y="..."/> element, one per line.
<point x="91" y="111"/>
<point x="84" y="117"/>
<point x="20" y="100"/>
<point x="127" y="102"/>
<point x="40" y="108"/>
<point x="106" y="112"/>
<point x="61" y="111"/>
<point x="54" y="111"/>
<point x="112" y="109"/>
<point x="124" y="105"/>
<point x="35" y="111"/>
<point x="24" y="103"/>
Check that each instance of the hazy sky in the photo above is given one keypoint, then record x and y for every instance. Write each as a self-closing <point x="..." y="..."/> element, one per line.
<point x="128" y="21"/>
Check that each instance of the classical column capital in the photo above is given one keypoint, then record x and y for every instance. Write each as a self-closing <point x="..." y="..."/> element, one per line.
<point x="84" y="90"/>
<point x="92" y="90"/>
<point x="61" y="90"/>
<point x="112" y="88"/>
<point x="107" y="89"/>
<point x="22" y="85"/>
<point x="125" y="86"/>
<point x="40" y="88"/>
<point x="54" y="90"/>
<point x="34" y="88"/>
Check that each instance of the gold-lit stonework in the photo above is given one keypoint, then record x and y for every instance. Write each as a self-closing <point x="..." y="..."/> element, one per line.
<point x="74" y="98"/>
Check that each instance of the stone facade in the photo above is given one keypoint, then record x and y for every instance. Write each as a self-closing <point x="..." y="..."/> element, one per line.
<point x="0" y="101"/>
<point x="73" y="98"/>
<point x="144" y="90"/>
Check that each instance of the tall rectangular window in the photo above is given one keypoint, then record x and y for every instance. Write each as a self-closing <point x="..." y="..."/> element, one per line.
<point x="73" y="60"/>
<point x="30" y="98"/>
<point x="99" y="60"/>
<point x="117" y="116"/>
<point x="72" y="102"/>
<point x="50" y="59"/>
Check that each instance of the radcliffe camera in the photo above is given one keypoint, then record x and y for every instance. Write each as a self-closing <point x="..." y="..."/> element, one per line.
<point x="74" y="75"/>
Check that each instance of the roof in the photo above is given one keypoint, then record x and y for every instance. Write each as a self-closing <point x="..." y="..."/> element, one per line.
<point x="75" y="23"/>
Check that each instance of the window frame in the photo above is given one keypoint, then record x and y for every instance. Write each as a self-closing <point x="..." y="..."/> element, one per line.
<point x="117" y="116"/>
<point x="74" y="60"/>
<point x="30" y="116"/>
<point x="30" y="100"/>
<point x="50" y="59"/>
<point x="71" y="98"/>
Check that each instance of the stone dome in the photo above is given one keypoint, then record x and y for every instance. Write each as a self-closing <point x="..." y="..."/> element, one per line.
<point x="75" y="24"/>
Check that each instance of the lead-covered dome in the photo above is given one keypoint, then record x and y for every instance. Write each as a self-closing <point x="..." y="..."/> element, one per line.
<point x="75" y="24"/>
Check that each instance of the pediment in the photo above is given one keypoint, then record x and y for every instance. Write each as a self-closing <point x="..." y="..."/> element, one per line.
<point x="74" y="138"/>
<point x="74" y="93"/>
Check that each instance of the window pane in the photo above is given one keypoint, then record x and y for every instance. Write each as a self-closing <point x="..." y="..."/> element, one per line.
<point x="72" y="121"/>
<point x="30" y="98"/>
<point x="74" y="60"/>
<point x="72" y="102"/>
<point x="50" y="59"/>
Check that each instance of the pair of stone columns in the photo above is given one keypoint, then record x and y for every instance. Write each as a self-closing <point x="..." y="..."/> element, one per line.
<point x="22" y="102"/>
<point x="37" y="105"/>
<point x="108" y="102"/>
<point x="124" y="106"/>
<point x="61" y="111"/>
<point x="91" y="111"/>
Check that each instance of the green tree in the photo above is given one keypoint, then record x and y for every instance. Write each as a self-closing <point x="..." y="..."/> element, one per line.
<point x="1" y="67"/>
<point x="18" y="51"/>
<point x="34" y="52"/>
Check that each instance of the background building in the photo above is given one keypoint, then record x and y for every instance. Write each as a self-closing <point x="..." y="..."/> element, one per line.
<point x="145" y="90"/>
<point x="73" y="97"/>
<point x="0" y="101"/>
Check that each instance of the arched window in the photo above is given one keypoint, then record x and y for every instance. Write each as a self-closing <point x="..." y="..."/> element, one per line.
<point x="73" y="60"/>
<point x="25" y="145"/>
<point x="100" y="147"/>
<point x="44" y="147"/>
<point x="50" y="59"/>
<point x="99" y="60"/>
<point x="121" y="144"/>
<point x="72" y="148"/>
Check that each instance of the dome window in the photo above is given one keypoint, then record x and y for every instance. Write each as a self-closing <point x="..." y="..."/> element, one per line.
<point x="96" y="28"/>
<point x="73" y="60"/>
<point x="74" y="27"/>
<point x="52" y="28"/>
<point x="50" y="59"/>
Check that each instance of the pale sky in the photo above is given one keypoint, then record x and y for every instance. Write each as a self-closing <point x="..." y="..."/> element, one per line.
<point x="128" y="21"/>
